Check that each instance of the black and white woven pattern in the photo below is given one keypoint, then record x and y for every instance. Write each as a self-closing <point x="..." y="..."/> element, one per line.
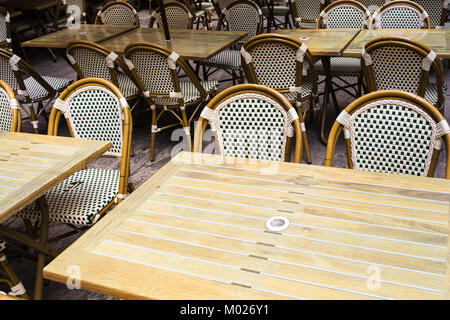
<point x="6" y="115"/>
<point x="177" y="17"/>
<point x="119" y="15"/>
<point x="432" y="95"/>
<point x="3" y="28"/>
<point x="243" y="17"/>
<point x="392" y="138"/>
<point x="37" y="92"/>
<point x="307" y="90"/>
<point x="434" y="9"/>
<point x="400" y="17"/>
<point x="341" y="67"/>
<point x="7" y="74"/>
<point x="345" y="16"/>
<point x="128" y="88"/>
<point x="308" y="9"/>
<point x="372" y="5"/>
<point x="189" y="92"/>
<point x="229" y="59"/>
<point x="91" y="63"/>
<point x="79" y="198"/>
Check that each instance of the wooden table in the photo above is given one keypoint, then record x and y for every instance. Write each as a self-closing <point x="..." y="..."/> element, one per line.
<point x="323" y="42"/>
<point x="190" y="44"/>
<point x="197" y="230"/>
<point x="88" y="32"/>
<point x="436" y="39"/>
<point x="32" y="164"/>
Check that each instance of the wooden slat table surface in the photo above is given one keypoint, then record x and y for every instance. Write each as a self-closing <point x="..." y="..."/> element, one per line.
<point x="190" y="44"/>
<point x="88" y="32"/>
<point x="323" y="42"/>
<point x="436" y="39"/>
<point x="31" y="164"/>
<point x="28" y="4"/>
<point x="197" y="230"/>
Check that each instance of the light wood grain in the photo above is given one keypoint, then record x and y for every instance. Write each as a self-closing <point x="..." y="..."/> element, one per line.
<point x="31" y="164"/>
<point x="197" y="230"/>
<point x="437" y="39"/>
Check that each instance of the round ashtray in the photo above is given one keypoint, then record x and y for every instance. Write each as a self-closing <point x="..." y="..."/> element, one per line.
<point x="82" y="33"/>
<point x="304" y="38"/>
<point x="277" y="223"/>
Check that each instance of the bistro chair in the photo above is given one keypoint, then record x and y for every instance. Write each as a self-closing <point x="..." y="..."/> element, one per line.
<point x="277" y="61"/>
<point x="391" y="131"/>
<point x="345" y="14"/>
<point x="91" y="60"/>
<point x="117" y="13"/>
<point x="200" y="15"/>
<point x="94" y="109"/>
<point x="251" y="121"/>
<point x="241" y="15"/>
<point x="75" y="10"/>
<point x="306" y="12"/>
<point x="437" y="10"/>
<point x="279" y="9"/>
<point x="9" y="121"/>
<point x="155" y="67"/>
<point x="397" y="63"/>
<point x="373" y="5"/>
<point x="219" y="5"/>
<point x="5" y="29"/>
<point x="178" y="16"/>
<point x="401" y="15"/>
<point x="32" y="88"/>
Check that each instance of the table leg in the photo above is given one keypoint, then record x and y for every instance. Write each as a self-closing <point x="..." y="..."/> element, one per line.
<point x="43" y="238"/>
<point x="328" y="84"/>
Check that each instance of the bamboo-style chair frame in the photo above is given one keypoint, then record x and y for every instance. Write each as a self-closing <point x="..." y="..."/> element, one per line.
<point x="7" y="42"/>
<point x="250" y="91"/>
<point x="442" y="127"/>
<point x="60" y="109"/>
<point x="113" y="62"/>
<point x="301" y="18"/>
<point x="155" y="16"/>
<point x="19" y="66"/>
<point x="437" y="21"/>
<point x="413" y="6"/>
<point x="110" y="5"/>
<point x="429" y="59"/>
<point x="8" y="275"/>
<point x="224" y="24"/>
<point x="302" y="53"/>
<point x="219" y="5"/>
<point x="155" y="99"/>
<point x="198" y="15"/>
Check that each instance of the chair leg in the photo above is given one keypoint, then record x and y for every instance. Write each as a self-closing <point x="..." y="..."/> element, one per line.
<point x="241" y="76"/>
<point x="304" y="135"/>
<point x="34" y="119"/>
<point x="17" y="289"/>
<point x="187" y="128"/>
<point x="152" y="136"/>
<point x="43" y="238"/>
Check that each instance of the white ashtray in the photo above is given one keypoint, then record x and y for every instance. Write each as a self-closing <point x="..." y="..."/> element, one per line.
<point x="277" y="223"/>
<point x="82" y="33"/>
<point x="304" y="38"/>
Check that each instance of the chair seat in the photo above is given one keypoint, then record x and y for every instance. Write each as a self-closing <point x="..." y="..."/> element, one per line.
<point x="37" y="92"/>
<point x="189" y="91"/>
<point x="226" y="59"/>
<point x="431" y="95"/>
<point x="2" y="245"/>
<point x="78" y="199"/>
<point x="341" y="67"/>
<point x="307" y="90"/>
<point x="207" y="6"/>
<point x="277" y="10"/>
<point x="127" y="86"/>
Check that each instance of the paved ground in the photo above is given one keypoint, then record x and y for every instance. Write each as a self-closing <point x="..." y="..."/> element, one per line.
<point x="141" y="167"/>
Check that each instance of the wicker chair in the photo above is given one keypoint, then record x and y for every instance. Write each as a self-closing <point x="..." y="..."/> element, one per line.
<point x="373" y="5"/>
<point x="340" y="14"/>
<point x="401" y="15"/>
<point x="178" y="16"/>
<point x="117" y="13"/>
<point x="219" y="5"/>
<point x="9" y="121"/>
<point x="94" y="109"/>
<point x="5" y="29"/>
<point x="241" y="15"/>
<point x="306" y="12"/>
<point x="393" y="132"/>
<point x="397" y="63"/>
<point x="155" y="68"/>
<point x="251" y="121"/>
<point x="200" y="15"/>
<point x="278" y="10"/>
<point x="277" y="61"/>
<point x="437" y="10"/>
<point x="91" y="60"/>
<point x="75" y="10"/>
<point x="32" y="89"/>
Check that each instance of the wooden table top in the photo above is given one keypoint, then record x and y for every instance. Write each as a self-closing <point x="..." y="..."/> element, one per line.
<point x="31" y="164"/>
<point x="323" y="42"/>
<point x="190" y="44"/>
<point x="436" y="39"/>
<point x="88" y="32"/>
<point x="28" y="4"/>
<point x="197" y="230"/>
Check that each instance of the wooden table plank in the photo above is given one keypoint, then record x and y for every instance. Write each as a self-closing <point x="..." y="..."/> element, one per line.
<point x="437" y="39"/>
<point x="205" y="218"/>
<point x="87" y="32"/>
<point x="323" y="42"/>
<point x="27" y="171"/>
<point x="190" y="44"/>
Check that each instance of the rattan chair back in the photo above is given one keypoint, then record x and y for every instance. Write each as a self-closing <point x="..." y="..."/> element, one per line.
<point x="117" y="13"/>
<point x="401" y="14"/>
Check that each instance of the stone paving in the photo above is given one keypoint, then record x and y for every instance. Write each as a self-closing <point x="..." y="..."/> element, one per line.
<point x="142" y="168"/>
